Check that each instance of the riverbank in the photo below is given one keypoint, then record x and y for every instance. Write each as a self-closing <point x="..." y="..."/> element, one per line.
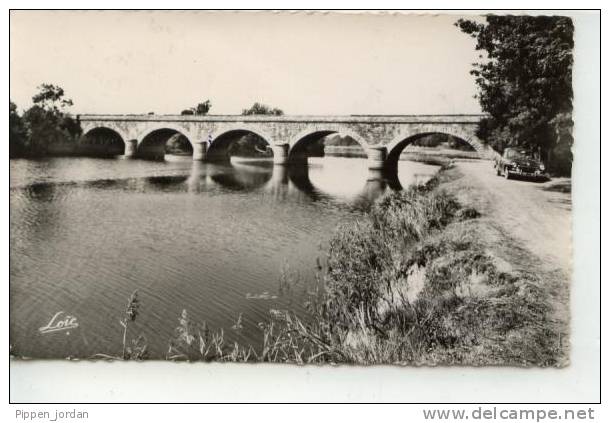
<point x="427" y="277"/>
<point x="429" y="155"/>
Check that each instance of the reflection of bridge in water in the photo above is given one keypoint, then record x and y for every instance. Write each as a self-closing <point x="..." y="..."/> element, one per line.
<point x="284" y="179"/>
<point x="331" y="181"/>
<point x="279" y="182"/>
<point x="382" y="137"/>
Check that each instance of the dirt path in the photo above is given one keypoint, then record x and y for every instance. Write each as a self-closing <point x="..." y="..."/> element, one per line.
<point x="536" y="214"/>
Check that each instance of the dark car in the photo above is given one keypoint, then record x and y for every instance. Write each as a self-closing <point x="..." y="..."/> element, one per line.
<point x="515" y="162"/>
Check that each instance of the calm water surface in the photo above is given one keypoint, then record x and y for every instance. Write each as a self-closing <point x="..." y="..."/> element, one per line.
<point x="212" y="239"/>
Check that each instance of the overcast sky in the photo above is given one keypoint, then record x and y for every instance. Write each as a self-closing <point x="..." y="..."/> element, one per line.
<point x="163" y="62"/>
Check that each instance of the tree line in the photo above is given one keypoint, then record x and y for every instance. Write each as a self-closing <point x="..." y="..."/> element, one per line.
<point x="257" y="108"/>
<point x="46" y="123"/>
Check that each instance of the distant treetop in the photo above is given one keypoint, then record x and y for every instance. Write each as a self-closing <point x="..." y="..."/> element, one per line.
<point x="262" y="109"/>
<point x="200" y="109"/>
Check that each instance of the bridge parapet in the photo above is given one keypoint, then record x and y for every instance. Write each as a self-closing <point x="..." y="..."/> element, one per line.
<point x="473" y="118"/>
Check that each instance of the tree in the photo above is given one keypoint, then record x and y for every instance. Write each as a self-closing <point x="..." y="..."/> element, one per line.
<point x="525" y="82"/>
<point x="262" y="109"/>
<point x="203" y="108"/>
<point x="51" y="97"/>
<point x="17" y="133"/>
<point x="562" y="125"/>
<point x="48" y="122"/>
<point x="200" y="109"/>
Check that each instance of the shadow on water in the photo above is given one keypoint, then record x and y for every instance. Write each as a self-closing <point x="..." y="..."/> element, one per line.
<point x="374" y="185"/>
<point x="299" y="177"/>
<point x="42" y="191"/>
<point x="232" y="177"/>
<point x="392" y="180"/>
<point x="166" y="181"/>
<point x="105" y="183"/>
<point x="239" y="180"/>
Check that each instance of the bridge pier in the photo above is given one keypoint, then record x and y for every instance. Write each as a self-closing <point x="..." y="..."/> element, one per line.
<point x="131" y="147"/>
<point x="280" y="154"/>
<point x="279" y="176"/>
<point x="278" y="184"/>
<point x="377" y="157"/>
<point x="194" y="179"/>
<point x="375" y="174"/>
<point x="200" y="150"/>
<point x="375" y="185"/>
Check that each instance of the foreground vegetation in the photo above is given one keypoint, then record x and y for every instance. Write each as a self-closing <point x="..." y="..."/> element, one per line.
<point x="416" y="281"/>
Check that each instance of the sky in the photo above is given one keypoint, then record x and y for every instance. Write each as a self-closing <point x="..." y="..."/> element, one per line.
<point x="304" y="63"/>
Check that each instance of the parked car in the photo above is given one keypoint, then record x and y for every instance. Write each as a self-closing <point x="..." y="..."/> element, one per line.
<point x="515" y="162"/>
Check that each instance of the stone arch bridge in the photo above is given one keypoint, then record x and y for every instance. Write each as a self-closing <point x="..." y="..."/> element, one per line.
<point x="382" y="137"/>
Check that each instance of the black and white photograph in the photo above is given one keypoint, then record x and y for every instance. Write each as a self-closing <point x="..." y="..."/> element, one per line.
<point x="311" y="188"/>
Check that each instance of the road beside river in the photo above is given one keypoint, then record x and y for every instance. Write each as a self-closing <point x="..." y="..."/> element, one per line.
<point x="526" y="225"/>
<point x="538" y="215"/>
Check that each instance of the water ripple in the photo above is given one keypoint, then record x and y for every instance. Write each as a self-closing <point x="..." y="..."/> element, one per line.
<point x="85" y="233"/>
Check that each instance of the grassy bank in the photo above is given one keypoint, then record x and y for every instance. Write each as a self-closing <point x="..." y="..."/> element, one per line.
<point x="419" y="280"/>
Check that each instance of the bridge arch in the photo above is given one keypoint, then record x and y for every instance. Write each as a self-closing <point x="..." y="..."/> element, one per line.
<point x="153" y="144"/>
<point x="102" y="141"/>
<point x="225" y="137"/>
<point x="300" y="142"/>
<point x="405" y="138"/>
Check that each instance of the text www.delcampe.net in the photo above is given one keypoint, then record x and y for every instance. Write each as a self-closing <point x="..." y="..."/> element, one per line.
<point x="510" y="414"/>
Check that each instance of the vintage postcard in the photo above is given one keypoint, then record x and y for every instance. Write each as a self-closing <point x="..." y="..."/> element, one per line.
<point x="302" y="188"/>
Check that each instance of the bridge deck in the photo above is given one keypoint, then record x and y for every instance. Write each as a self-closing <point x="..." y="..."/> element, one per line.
<point x="382" y="119"/>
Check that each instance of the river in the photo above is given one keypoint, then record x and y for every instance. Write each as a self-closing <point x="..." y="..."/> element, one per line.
<point x="212" y="239"/>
